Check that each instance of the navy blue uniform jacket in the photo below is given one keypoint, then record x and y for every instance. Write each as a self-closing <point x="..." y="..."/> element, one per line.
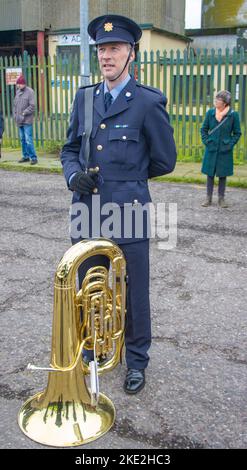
<point x="131" y="142"/>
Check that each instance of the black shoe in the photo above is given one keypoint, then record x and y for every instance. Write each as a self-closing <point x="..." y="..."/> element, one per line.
<point x="23" y="160"/>
<point x="135" y="381"/>
<point x="33" y="162"/>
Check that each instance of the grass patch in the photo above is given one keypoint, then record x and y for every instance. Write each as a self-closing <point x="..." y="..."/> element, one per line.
<point x="198" y="180"/>
<point x="29" y="169"/>
<point x="53" y="147"/>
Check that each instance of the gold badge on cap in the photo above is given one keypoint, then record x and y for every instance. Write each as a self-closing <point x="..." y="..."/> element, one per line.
<point x="108" y="27"/>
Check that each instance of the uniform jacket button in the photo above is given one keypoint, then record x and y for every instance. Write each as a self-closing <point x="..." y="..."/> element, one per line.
<point x="102" y="126"/>
<point x="135" y="201"/>
<point x="124" y="137"/>
<point x="99" y="147"/>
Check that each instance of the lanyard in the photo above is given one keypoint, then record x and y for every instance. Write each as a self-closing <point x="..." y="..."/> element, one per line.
<point x="219" y="125"/>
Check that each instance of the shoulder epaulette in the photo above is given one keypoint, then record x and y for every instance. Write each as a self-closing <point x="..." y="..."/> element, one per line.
<point x="149" y="88"/>
<point x="89" y="86"/>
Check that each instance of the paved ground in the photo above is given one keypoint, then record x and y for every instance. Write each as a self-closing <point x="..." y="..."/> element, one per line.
<point x="196" y="383"/>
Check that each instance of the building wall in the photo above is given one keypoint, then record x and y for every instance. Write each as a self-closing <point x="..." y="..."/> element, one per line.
<point x="156" y="41"/>
<point x="215" y="42"/>
<point x="164" y="14"/>
<point x="32" y="15"/>
<point x="10" y="15"/>
<point x="61" y="14"/>
<point x="151" y="41"/>
<point x="175" y="16"/>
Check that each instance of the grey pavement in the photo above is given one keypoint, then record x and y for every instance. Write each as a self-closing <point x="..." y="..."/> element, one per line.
<point x="196" y="392"/>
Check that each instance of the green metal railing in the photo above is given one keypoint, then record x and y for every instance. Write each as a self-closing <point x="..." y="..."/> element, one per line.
<point x="189" y="80"/>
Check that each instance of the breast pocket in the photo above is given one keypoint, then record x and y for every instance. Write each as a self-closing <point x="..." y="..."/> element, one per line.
<point x="123" y="144"/>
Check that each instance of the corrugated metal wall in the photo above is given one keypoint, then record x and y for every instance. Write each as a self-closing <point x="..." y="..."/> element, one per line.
<point x="10" y="15"/>
<point x="61" y="14"/>
<point x="164" y="14"/>
<point x="174" y="18"/>
<point x="32" y="15"/>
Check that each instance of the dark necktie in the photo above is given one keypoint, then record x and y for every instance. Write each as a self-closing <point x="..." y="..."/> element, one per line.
<point x="108" y="100"/>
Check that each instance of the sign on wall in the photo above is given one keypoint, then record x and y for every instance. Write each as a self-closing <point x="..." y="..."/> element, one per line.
<point x="69" y="39"/>
<point x="12" y="74"/>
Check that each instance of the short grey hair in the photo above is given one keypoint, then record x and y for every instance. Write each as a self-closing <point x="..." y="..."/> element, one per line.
<point x="225" y="96"/>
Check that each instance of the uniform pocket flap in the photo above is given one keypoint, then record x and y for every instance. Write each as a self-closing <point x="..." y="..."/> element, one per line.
<point x="226" y="141"/>
<point x="124" y="134"/>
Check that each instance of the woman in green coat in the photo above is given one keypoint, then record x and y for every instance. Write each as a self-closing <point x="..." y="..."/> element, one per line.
<point x="220" y="132"/>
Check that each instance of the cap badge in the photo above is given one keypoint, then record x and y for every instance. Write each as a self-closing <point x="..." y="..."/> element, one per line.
<point x="108" y="27"/>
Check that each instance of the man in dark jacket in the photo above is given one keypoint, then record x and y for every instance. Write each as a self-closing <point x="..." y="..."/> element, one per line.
<point x="131" y="141"/>
<point x="24" y="107"/>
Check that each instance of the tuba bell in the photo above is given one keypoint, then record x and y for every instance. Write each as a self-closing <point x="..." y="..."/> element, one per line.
<point x="67" y="413"/>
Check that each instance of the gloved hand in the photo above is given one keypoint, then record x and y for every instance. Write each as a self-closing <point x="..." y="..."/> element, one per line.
<point x="83" y="183"/>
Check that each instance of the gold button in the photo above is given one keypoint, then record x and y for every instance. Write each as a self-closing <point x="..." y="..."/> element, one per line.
<point x="124" y="137"/>
<point x="95" y="190"/>
<point x="99" y="147"/>
<point x="102" y="126"/>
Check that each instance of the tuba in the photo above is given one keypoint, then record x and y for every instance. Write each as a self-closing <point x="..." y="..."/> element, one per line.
<point x="67" y="413"/>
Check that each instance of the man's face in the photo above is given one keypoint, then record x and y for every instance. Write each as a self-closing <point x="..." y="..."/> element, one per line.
<point x="112" y="58"/>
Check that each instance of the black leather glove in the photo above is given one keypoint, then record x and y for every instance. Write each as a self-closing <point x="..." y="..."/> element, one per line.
<point x="83" y="183"/>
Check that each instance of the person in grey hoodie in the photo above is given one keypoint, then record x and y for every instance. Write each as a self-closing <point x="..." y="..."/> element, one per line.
<point x="24" y="107"/>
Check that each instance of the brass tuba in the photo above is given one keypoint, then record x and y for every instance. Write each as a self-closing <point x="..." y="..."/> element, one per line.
<point x="66" y="413"/>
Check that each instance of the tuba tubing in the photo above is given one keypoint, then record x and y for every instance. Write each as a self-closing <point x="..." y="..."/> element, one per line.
<point x="64" y="414"/>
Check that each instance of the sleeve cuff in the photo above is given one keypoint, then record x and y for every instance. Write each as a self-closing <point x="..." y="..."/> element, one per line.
<point x="70" y="178"/>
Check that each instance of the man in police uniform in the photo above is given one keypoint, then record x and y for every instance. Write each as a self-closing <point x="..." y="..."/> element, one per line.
<point x="131" y="141"/>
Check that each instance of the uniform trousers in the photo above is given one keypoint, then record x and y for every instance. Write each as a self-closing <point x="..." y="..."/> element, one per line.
<point x="138" y="322"/>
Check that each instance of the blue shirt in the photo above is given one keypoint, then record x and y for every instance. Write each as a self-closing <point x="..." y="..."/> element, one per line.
<point x="115" y="91"/>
